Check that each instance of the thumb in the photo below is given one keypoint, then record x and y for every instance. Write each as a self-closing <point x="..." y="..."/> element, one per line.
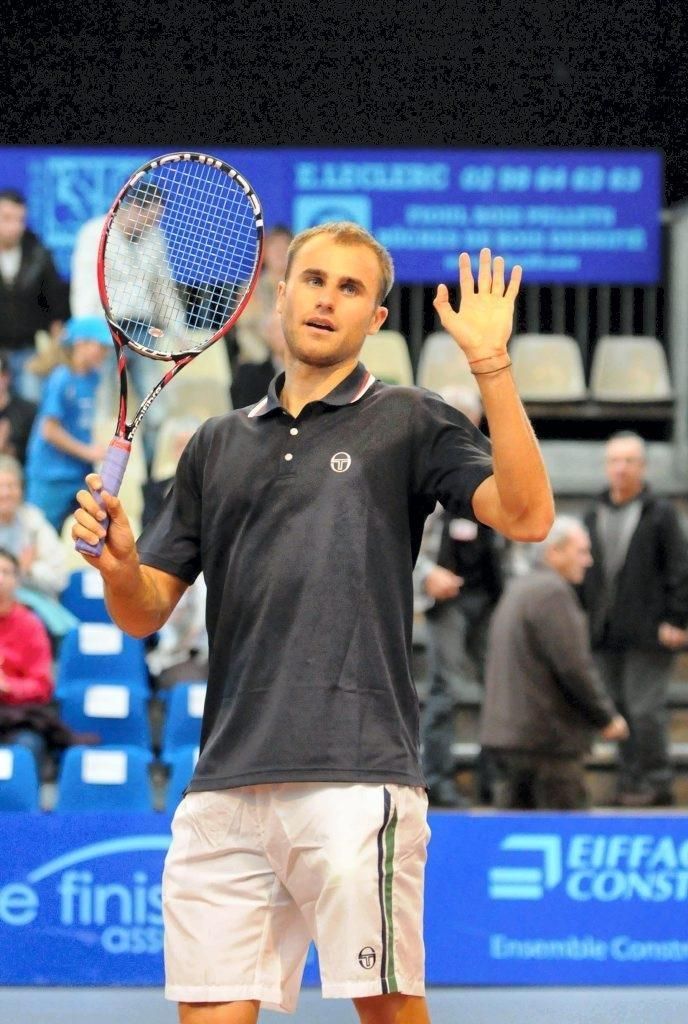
<point x="441" y="301"/>
<point x="114" y="508"/>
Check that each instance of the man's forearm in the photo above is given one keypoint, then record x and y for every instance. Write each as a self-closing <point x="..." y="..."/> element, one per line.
<point x="138" y="600"/>
<point x="520" y="475"/>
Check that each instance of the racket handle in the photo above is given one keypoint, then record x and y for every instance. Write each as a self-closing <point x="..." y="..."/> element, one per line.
<point x="111" y="473"/>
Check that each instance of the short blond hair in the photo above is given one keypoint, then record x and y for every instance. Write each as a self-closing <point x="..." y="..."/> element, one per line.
<point x="346" y="232"/>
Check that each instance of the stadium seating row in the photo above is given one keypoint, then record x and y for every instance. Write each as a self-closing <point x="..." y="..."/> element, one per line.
<point x="98" y="780"/>
<point x="119" y="714"/>
<point x="546" y="367"/>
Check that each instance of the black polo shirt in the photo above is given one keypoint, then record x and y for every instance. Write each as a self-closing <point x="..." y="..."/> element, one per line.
<point x="307" y="531"/>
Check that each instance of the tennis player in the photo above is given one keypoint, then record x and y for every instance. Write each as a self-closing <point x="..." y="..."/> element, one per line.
<point x="306" y="815"/>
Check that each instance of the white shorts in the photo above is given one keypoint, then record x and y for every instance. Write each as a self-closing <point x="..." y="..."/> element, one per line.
<point x="253" y="874"/>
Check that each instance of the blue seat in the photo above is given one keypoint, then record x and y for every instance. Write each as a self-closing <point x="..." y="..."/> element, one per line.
<point x="117" y="713"/>
<point x="114" y="779"/>
<point x="182" y="763"/>
<point x="183" y="720"/>
<point x="98" y="652"/>
<point x="83" y="596"/>
<point x="19" y="784"/>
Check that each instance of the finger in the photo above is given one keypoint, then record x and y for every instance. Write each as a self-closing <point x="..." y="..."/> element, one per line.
<point x="94" y="481"/>
<point x="87" y="530"/>
<point x="466" y="282"/>
<point x="514" y="282"/>
<point x="485" y="271"/>
<point x="498" y="276"/>
<point x="442" y="304"/>
<point x="441" y="297"/>
<point x="88" y="503"/>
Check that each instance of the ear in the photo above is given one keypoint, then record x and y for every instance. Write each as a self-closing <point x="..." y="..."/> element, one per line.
<point x="279" y="302"/>
<point x="377" y="319"/>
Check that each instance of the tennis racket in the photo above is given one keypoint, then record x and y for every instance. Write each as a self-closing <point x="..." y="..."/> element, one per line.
<point x="178" y="259"/>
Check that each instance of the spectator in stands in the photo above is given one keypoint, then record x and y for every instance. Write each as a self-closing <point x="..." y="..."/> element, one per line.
<point x="16" y="415"/>
<point x="636" y="595"/>
<point x="141" y="251"/>
<point x="543" y="694"/>
<point x="251" y="380"/>
<point x="26" y="684"/>
<point x="61" y="446"/>
<point x="40" y="553"/>
<point x="253" y="346"/>
<point x="459" y="578"/>
<point x="33" y="297"/>
<point x="171" y="441"/>
<point x="180" y="649"/>
<point x="181" y="652"/>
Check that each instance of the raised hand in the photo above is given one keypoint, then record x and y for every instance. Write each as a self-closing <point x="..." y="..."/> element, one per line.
<point x="483" y="323"/>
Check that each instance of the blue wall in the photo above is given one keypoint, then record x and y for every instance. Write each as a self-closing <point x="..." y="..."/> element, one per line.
<point x="511" y="899"/>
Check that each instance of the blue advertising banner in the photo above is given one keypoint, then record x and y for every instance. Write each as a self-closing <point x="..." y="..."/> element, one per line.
<point x="557" y="900"/>
<point x="568" y="216"/>
<point x="510" y="900"/>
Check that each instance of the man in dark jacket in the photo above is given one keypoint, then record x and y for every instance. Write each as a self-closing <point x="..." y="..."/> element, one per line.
<point x="33" y="297"/>
<point x="458" y="579"/>
<point x="636" y="595"/>
<point x="543" y="694"/>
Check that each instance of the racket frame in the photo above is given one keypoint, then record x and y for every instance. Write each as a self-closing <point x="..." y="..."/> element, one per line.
<point x="121" y="341"/>
<point x="117" y="455"/>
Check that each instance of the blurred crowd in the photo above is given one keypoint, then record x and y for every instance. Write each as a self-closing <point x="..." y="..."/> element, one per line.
<point x="552" y="647"/>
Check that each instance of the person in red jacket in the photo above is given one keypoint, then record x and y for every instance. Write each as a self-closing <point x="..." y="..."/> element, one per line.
<point x="25" y="658"/>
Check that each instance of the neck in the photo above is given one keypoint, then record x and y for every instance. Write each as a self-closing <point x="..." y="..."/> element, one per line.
<point x="304" y="383"/>
<point x="6" y="606"/>
<point x="621" y="495"/>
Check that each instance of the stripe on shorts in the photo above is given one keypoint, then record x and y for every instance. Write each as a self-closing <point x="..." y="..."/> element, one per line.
<point x="385" y="868"/>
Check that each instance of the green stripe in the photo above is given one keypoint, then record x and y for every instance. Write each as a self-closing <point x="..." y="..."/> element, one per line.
<point x="390" y="835"/>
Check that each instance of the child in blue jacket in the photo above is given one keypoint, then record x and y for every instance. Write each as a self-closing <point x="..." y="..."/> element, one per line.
<point x="61" y="449"/>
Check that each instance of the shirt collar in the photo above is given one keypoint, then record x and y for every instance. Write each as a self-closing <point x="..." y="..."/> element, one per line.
<point x="350" y="390"/>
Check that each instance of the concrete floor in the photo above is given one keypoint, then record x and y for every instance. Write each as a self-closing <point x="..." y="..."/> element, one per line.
<point x="447" y="1006"/>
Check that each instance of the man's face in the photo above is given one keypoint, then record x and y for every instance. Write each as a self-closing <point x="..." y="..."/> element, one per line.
<point x="134" y="218"/>
<point x="625" y="465"/>
<point x="572" y="558"/>
<point x="8" y="580"/>
<point x="12" y="223"/>
<point x="10" y="496"/>
<point x="330" y="301"/>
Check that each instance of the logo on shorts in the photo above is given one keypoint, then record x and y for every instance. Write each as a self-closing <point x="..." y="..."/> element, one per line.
<point x="367" y="958"/>
<point x="340" y="462"/>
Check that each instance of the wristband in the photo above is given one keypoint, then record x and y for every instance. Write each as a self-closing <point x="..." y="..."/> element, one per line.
<point x="481" y="373"/>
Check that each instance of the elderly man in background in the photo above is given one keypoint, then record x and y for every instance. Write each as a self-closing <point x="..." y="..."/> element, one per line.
<point x="458" y="580"/>
<point x="544" y="697"/>
<point x="636" y="595"/>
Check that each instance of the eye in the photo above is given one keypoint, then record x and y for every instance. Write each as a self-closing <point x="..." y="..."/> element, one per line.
<point x="314" y="279"/>
<point x="350" y="288"/>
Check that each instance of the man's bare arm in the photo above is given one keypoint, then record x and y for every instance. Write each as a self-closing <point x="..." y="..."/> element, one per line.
<point x="139" y="597"/>
<point x="517" y="499"/>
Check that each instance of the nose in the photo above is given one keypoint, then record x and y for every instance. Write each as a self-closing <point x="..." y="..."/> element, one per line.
<point x="326" y="298"/>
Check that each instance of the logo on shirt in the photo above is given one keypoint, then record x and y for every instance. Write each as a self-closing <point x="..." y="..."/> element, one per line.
<point x="340" y="462"/>
<point x="367" y="958"/>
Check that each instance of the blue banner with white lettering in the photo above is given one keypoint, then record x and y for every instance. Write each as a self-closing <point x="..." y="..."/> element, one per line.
<point x="510" y="899"/>
<point x="568" y="216"/>
<point x="557" y="900"/>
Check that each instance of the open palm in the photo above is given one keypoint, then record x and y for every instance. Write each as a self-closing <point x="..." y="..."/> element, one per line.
<point x="483" y="323"/>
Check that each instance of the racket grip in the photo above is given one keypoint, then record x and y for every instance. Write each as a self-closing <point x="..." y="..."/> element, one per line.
<point x="111" y="473"/>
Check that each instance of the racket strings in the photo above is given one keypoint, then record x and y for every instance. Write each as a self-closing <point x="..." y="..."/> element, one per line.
<point x="180" y="255"/>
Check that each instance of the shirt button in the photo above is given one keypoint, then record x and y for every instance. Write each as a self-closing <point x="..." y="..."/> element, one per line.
<point x="293" y="431"/>
<point x="288" y="457"/>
